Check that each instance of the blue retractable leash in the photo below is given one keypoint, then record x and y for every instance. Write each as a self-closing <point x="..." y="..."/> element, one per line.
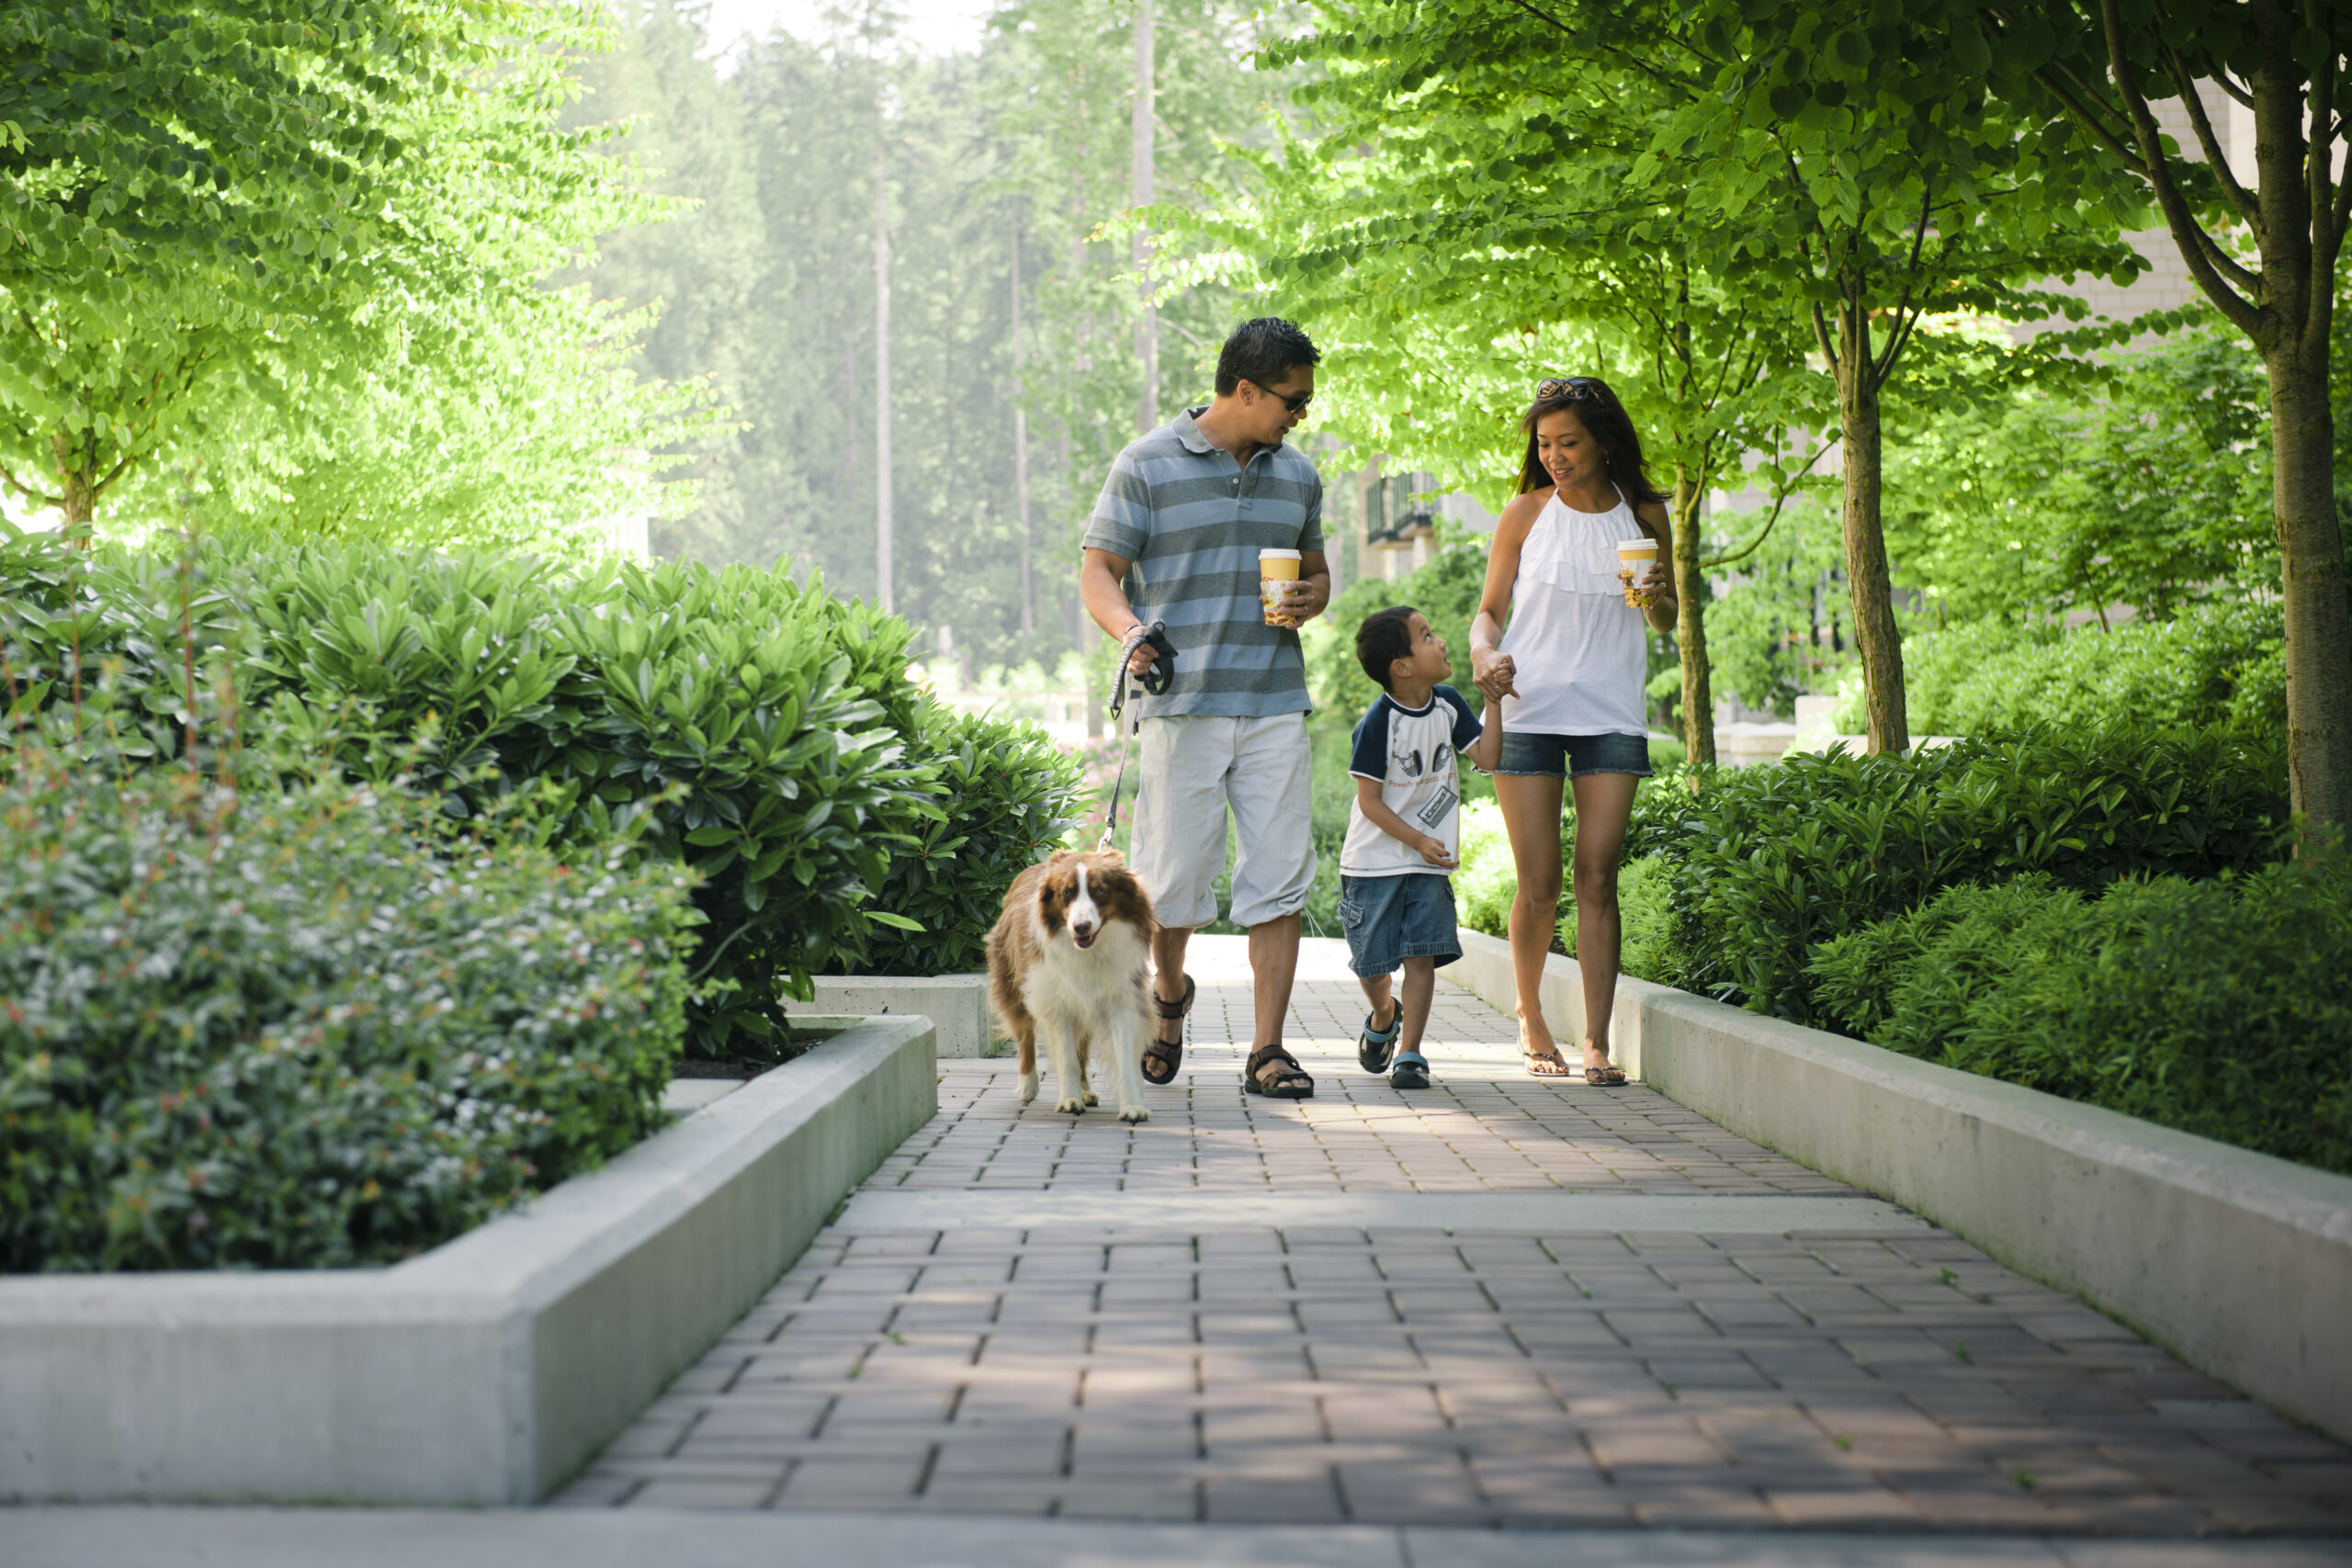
<point x="1155" y="680"/>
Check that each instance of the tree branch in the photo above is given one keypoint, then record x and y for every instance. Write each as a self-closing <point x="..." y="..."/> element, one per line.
<point x="2319" y="163"/>
<point x="13" y="482"/>
<point x="99" y="489"/>
<point x="1607" y="47"/>
<point x="2203" y="126"/>
<point x="1902" y="332"/>
<point x="1787" y="488"/>
<point x="2195" y="246"/>
<point x="1820" y="323"/>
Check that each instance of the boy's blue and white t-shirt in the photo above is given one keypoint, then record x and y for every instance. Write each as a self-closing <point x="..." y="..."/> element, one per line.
<point x="1409" y="753"/>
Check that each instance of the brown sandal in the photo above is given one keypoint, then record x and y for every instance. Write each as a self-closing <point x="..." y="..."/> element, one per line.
<point x="1608" y="1074"/>
<point x="1164" y="1052"/>
<point x="1285" y="1084"/>
<point x="1547" y="1064"/>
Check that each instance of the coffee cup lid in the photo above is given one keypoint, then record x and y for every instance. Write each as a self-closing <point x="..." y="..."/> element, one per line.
<point x="1636" y="547"/>
<point x="1278" y="555"/>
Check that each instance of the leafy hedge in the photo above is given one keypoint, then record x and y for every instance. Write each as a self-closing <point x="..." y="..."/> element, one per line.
<point x="326" y="1027"/>
<point x="759" y="731"/>
<point x="2222" y="1007"/>
<point x="1768" y="864"/>
<point x="1005" y="793"/>
<point x="2216" y="663"/>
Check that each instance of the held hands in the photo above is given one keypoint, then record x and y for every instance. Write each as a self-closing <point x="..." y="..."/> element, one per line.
<point x="1493" y="673"/>
<point x="1434" y="852"/>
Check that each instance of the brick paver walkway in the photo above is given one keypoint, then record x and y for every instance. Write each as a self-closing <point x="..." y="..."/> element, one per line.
<point x="1012" y="1341"/>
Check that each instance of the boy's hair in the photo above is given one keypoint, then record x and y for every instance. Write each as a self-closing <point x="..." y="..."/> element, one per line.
<point x="1385" y="637"/>
<point x="1261" y="352"/>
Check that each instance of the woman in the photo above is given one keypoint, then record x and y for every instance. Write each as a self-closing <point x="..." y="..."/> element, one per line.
<point x="1568" y="673"/>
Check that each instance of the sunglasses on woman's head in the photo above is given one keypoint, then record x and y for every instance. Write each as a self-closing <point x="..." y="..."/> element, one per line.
<point x="1292" y="401"/>
<point x="1570" y="387"/>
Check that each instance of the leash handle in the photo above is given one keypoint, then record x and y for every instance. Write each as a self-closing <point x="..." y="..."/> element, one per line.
<point x="1154" y="681"/>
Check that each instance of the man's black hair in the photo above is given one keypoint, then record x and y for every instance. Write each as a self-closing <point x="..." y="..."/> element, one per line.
<point x="1385" y="637"/>
<point x="1261" y="352"/>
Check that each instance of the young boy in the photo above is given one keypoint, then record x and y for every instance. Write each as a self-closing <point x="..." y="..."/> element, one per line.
<point x="1403" y="830"/>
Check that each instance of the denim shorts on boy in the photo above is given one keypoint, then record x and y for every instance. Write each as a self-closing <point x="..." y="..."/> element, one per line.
<point x="1391" y="918"/>
<point x="1573" y="756"/>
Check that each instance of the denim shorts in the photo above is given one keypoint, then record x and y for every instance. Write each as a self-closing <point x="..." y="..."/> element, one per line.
<point x="1573" y="756"/>
<point x="1391" y="918"/>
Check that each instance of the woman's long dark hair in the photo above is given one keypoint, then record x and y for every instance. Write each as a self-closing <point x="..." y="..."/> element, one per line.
<point x="1606" y="421"/>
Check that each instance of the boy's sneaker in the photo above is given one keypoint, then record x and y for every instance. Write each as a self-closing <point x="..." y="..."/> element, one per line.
<point x="1373" y="1045"/>
<point x="1412" y="1071"/>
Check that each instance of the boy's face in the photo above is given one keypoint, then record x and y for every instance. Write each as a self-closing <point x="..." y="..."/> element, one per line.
<point x="1428" y="661"/>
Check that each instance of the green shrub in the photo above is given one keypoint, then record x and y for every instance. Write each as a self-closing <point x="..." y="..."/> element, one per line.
<point x="1007" y="795"/>
<point x="327" y="1027"/>
<point x="764" y="732"/>
<point x="2216" y="663"/>
<point x="2222" y="1007"/>
<point x="1648" y="946"/>
<point x="1488" y="880"/>
<point x="1770" y="862"/>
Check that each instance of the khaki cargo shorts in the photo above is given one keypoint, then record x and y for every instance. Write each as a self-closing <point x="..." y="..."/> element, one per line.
<point x="1193" y="770"/>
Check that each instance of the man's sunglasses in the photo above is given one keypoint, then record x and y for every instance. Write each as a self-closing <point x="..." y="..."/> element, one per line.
<point x="1292" y="401"/>
<point x="1571" y="387"/>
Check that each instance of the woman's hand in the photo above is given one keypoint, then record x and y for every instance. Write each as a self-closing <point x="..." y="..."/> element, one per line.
<point x="1493" y="673"/>
<point x="1660" y="586"/>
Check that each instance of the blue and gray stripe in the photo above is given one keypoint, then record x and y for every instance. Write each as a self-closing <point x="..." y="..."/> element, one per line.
<point x="1192" y="521"/>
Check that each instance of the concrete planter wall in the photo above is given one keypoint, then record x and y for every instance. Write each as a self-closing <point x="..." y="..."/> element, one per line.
<point x="2240" y="1263"/>
<point x="958" y="1006"/>
<point x="484" y="1371"/>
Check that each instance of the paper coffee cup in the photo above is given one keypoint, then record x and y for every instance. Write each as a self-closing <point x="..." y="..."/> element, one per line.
<point x="1635" y="558"/>
<point x="1277" y="570"/>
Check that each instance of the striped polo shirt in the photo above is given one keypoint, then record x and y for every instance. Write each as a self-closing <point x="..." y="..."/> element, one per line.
<point x="1192" y="521"/>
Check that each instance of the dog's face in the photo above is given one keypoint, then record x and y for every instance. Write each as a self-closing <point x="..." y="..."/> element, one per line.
<point x="1081" y="894"/>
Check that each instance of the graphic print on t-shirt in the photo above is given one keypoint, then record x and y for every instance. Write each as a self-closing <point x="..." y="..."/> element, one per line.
<point x="1410" y="753"/>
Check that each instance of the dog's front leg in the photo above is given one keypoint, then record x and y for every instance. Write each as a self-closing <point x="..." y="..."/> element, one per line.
<point x="1126" y="1039"/>
<point x="1069" y="1081"/>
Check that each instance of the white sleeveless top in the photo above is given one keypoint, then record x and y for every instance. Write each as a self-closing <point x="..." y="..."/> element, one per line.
<point x="1580" y="651"/>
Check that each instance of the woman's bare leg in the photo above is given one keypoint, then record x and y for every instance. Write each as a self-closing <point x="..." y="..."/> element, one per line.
<point x="1530" y="806"/>
<point x="1604" y="806"/>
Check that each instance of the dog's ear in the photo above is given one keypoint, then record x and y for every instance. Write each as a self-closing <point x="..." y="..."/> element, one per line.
<point x="1109" y="859"/>
<point x="1119" y="889"/>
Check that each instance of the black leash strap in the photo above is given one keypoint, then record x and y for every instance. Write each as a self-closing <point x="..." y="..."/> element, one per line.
<point x="1155" y="679"/>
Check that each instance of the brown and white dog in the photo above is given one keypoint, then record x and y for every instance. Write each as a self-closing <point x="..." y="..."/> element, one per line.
<point x="1070" y="959"/>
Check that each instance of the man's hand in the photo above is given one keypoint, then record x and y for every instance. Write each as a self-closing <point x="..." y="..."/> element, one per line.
<point x="1434" y="852"/>
<point x="1304" y="599"/>
<point x="1141" y="659"/>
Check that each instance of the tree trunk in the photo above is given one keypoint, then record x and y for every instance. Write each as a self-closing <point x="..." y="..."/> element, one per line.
<point x="1690" y="623"/>
<point x="883" y="541"/>
<point x="2310" y="569"/>
<point x="1147" y="327"/>
<point x="1867" y="578"/>
<point x="77" y="490"/>
<point x="1021" y="452"/>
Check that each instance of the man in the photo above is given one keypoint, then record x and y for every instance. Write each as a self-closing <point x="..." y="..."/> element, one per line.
<point x="1179" y="527"/>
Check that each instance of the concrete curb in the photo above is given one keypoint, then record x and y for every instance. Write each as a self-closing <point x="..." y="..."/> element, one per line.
<point x="484" y="1371"/>
<point x="958" y="1006"/>
<point x="2238" y="1262"/>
